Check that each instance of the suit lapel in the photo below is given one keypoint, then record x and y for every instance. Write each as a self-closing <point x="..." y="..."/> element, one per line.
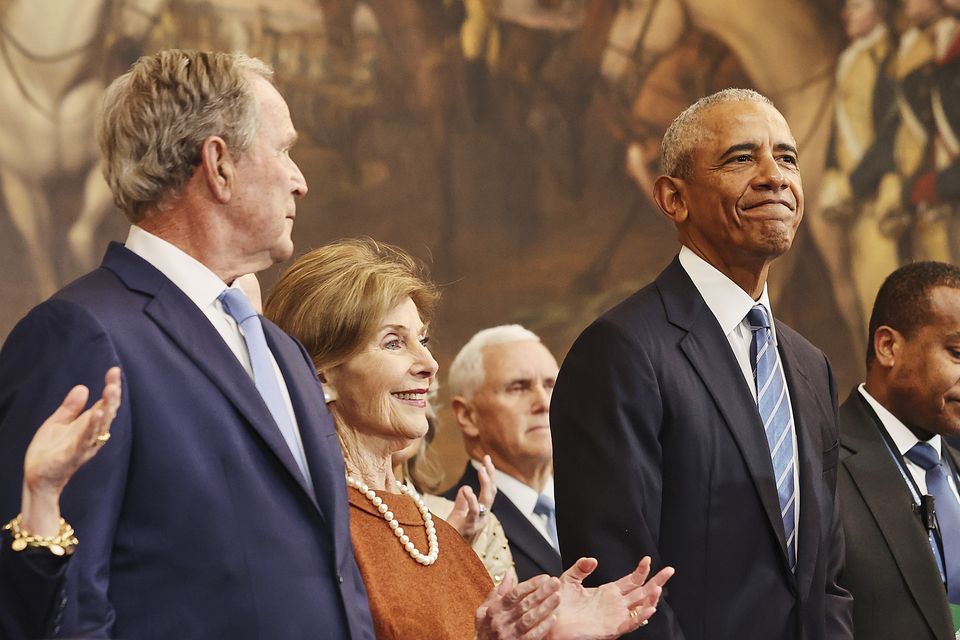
<point x="523" y="535"/>
<point x="709" y="353"/>
<point x="186" y="326"/>
<point x="317" y="432"/>
<point x="807" y="415"/>
<point x="875" y="474"/>
<point x="520" y="532"/>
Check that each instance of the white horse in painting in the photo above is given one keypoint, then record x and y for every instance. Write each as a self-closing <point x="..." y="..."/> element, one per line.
<point x="52" y="59"/>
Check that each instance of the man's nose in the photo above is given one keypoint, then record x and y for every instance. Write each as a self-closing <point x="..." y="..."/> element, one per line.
<point x="299" y="182"/>
<point x="770" y="175"/>
<point x="541" y="398"/>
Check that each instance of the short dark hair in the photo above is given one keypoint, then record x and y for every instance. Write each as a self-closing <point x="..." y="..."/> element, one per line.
<point x="903" y="302"/>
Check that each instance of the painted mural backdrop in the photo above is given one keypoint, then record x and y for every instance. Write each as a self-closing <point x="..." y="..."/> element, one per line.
<point x="512" y="144"/>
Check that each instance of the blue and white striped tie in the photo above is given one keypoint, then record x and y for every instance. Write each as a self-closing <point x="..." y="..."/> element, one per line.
<point x="777" y="419"/>
<point x="947" y="509"/>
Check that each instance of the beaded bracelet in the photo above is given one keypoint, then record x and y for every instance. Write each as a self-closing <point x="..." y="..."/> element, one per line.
<point x="63" y="543"/>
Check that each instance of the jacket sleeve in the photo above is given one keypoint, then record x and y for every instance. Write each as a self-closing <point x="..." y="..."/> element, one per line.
<point x="59" y="345"/>
<point x="838" y="603"/>
<point x="606" y="416"/>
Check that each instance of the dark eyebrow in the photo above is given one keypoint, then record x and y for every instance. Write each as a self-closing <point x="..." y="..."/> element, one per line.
<point x="783" y="146"/>
<point x="750" y="146"/>
<point x="737" y="148"/>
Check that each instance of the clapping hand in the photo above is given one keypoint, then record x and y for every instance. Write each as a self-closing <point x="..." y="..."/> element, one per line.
<point x="521" y="612"/>
<point x="610" y="610"/>
<point x="469" y="511"/>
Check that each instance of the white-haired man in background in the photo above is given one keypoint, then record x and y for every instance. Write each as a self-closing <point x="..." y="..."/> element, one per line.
<point x="500" y="387"/>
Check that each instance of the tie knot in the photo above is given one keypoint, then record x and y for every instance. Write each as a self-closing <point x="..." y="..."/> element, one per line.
<point x="757" y="317"/>
<point x="236" y="304"/>
<point x="545" y="505"/>
<point x="923" y="455"/>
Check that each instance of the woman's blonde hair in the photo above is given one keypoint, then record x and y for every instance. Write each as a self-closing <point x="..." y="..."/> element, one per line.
<point x="333" y="298"/>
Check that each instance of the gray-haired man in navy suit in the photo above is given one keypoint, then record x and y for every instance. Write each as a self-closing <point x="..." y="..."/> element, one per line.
<point x="217" y="509"/>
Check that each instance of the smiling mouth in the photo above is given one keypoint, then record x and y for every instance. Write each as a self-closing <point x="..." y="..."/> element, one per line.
<point x="764" y="203"/>
<point x="415" y="397"/>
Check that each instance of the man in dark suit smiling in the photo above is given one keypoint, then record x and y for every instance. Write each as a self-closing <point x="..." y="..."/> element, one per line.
<point x="691" y="426"/>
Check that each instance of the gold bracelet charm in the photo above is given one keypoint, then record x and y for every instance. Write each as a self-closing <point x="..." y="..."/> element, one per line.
<point x="63" y="543"/>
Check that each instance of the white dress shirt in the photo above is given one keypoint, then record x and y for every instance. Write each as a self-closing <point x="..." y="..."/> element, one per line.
<point x="204" y="287"/>
<point x="524" y="497"/>
<point x="729" y="305"/>
<point x="904" y="439"/>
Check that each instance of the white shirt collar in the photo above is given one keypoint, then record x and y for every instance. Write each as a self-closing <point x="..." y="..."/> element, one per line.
<point x="523" y="496"/>
<point x="190" y="275"/>
<point x="725" y="299"/>
<point x="902" y="437"/>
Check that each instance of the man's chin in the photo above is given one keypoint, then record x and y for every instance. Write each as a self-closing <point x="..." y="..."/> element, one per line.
<point x="777" y="243"/>
<point x="282" y="252"/>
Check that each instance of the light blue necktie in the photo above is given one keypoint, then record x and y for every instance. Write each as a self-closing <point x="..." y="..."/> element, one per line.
<point x="546" y="507"/>
<point x="948" y="512"/>
<point x="236" y="304"/>
<point x="774" y="406"/>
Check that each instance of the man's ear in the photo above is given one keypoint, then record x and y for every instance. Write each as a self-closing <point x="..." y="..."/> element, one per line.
<point x="668" y="194"/>
<point x="887" y="346"/>
<point x="218" y="168"/>
<point x="466" y="417"/>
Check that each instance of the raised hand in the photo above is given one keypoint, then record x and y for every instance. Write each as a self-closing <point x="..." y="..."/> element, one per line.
<point x="610" y="610"/>
<point x="62" y="444"/>
<point x="467" y="517"/>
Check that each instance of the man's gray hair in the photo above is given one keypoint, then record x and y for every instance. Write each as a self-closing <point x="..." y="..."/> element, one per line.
<point x="686" y="130"/>
<point x="156" y="116"/>
<point x="467" y="372"/>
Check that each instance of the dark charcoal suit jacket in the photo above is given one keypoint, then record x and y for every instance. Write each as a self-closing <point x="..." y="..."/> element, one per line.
<point x="890" y="568"/>
<point x="532" y="554"/>
<point x="659" y="450"/>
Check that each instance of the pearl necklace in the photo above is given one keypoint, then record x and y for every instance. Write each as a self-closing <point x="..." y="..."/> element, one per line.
<point x="402" y="538"/>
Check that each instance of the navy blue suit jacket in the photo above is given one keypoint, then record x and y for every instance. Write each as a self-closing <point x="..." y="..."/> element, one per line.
<point x="31" y="588"/>
<point x="194" y="520"/>
<point x="532" y="554"/>
<point x="659" y="450"/>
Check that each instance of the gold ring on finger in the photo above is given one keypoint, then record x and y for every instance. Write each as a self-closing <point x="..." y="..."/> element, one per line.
<point x="101" y="439"/>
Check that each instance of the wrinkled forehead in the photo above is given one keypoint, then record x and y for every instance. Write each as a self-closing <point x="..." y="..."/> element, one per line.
<point x="521" y="358"/>
<point x="746" y="121"/>
<point x="746" y="125"/>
